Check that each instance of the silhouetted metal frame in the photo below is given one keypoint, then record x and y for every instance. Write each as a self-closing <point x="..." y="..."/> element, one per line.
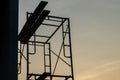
<point x="34" y="43"/>
<point x="46" y="42"/>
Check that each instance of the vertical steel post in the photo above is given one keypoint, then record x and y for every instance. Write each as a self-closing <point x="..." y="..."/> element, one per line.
<point x="63" y="37"/>
<point x="70" y="49"/>
<point x="27" y="53"/>
<point x="27" y="60"/>
<point x="44" y="57"/>
<point x="50" y="60"/>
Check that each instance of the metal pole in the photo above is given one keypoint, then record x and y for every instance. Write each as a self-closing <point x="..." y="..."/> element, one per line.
<point x="27" y="53"/>
<point x="27" y="60"/>
<point x="70" y="50"/>
<point x="50" y="61"/>
<point x="44" y="58"/>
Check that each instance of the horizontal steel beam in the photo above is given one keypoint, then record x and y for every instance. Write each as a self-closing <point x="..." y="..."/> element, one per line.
<point x="62" y="76"/>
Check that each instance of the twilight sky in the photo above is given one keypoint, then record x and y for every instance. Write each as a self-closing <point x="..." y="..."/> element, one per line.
<point x="95" y="29"/>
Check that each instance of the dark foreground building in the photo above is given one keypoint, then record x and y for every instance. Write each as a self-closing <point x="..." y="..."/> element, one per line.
<point x="8" y="39"/>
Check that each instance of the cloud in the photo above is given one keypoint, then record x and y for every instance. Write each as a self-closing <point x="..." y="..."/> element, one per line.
<point x="100" y="70"/>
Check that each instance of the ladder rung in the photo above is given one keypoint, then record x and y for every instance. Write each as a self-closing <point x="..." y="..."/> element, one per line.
<point x="65" y="32"/>
<point x="67" y="45"/>
<point x="47" y="54"/>
<point x="31" y="53"/>
<point x="47" y="65"/>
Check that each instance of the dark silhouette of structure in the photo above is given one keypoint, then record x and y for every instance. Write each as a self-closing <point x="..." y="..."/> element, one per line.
<point x="9" y="42"/>
<point x="29" y="37"/>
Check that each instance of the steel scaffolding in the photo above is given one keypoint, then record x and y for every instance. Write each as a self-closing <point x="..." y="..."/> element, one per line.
<point x="55" y="42"/>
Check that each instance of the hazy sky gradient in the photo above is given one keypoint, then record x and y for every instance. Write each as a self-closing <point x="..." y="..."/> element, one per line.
<point x="95" y="29"/>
